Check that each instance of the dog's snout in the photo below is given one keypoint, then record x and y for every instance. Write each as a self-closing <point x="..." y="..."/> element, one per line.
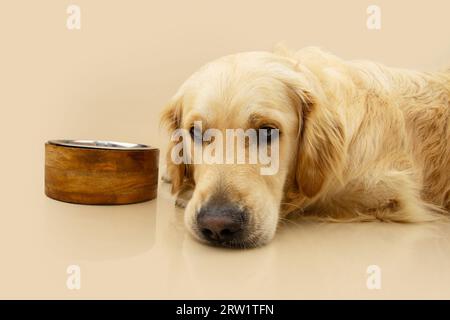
<point x="218" y="228"/>
<point x="221" y="222"/>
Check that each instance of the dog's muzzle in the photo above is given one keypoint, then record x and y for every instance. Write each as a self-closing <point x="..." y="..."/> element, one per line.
<point x="222" y="222"/>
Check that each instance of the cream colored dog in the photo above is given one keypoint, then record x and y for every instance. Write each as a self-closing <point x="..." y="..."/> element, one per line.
<point x="358" y="142"/>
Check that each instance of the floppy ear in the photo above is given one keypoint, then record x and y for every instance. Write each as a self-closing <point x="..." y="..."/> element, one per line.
<point x="321" y="146"/>
<point x="179" y="174"/>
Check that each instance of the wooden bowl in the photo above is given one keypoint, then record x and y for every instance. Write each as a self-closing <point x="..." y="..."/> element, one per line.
<point x="100" y="172"/>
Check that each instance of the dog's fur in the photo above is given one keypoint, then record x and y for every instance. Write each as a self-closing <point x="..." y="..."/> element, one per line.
<point x="358" y="141"/>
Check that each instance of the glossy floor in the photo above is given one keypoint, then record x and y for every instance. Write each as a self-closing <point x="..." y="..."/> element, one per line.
<point x="144" y="251"/>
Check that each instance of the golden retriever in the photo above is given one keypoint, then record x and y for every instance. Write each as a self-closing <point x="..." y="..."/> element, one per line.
<point x="358" y="141"/>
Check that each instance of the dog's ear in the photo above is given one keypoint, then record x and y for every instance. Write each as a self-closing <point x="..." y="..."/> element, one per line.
<point x="171" y="114"/>
<point x="179" y="174"/>
<point x="321" y="141"/>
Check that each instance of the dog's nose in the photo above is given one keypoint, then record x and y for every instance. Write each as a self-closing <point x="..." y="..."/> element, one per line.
<point x="221" y="222"/>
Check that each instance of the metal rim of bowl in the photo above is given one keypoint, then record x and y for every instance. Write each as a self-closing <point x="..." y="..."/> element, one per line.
<point x="100" y="144"/>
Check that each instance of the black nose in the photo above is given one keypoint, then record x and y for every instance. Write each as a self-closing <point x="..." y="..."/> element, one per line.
<point x="220" y="221"/>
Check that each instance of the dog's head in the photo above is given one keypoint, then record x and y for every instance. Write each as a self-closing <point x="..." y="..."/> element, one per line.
<point x="234" y="204"/>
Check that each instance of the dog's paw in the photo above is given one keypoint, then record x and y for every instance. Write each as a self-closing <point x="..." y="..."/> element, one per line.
<point x="183" y="197"/>
<point x="166" y="178"/>
<point x="181" y="203"/>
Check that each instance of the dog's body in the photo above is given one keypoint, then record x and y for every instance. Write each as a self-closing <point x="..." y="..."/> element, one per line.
<point x="398" y="154"/>
<point x="358" y="141"/>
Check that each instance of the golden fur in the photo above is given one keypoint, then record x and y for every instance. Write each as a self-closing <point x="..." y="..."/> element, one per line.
<point x="358" y="141"/>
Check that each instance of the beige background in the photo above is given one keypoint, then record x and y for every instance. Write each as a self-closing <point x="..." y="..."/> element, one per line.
<point x="110" y="79"/>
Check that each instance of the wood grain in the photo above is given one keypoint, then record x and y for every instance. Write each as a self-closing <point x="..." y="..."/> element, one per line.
<point x="100" y="176"/>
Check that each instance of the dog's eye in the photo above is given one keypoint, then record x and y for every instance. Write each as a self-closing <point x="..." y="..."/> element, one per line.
<point x="195" y="133"/>
<point x="267" y="134"/>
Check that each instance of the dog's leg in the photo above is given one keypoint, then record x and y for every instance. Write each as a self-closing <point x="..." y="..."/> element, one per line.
<point x="165" y="178"/>
<point x="184" y="196"/>
<point x="394" y="196"/>
<point x="383" y="194"/>
<point x="185" y="193"/>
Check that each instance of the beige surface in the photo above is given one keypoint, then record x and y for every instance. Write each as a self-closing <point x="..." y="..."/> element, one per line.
<point x="109" y="81"/>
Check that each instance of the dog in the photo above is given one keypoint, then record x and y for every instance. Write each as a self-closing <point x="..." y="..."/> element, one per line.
<point x="358" y="141"/>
